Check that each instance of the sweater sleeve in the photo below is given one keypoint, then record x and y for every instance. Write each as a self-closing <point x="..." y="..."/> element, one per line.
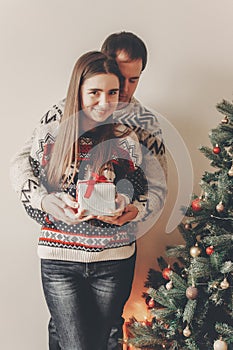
<point x="23" y="180"/>
<point x="25" y="166"/>
<point x="150" y="159"/>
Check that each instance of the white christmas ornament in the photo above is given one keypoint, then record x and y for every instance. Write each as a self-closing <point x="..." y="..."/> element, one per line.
<point x="224" y="284"/>
<point x="169" y="285"/>
<point x="187" y="332"/>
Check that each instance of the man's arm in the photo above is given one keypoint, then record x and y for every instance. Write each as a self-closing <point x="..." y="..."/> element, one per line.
<point x="153" y="162"/>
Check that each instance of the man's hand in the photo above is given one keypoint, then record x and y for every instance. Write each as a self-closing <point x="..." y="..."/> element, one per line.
<point x="121" y="217"/>
<point x="63" y="207"/>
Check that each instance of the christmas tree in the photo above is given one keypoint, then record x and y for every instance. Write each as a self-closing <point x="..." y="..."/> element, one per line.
<point x="191" y="301"/>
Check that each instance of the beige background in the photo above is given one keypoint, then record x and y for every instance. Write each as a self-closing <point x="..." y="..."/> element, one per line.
<point x="190" y="69"/>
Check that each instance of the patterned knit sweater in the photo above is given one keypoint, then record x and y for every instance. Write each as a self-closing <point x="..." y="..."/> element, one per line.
<point x="92" y="240"/>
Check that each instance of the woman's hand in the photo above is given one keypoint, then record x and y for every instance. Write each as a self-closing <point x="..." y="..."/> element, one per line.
<point x="63" y="207"/>
<point x="121" y="217"/>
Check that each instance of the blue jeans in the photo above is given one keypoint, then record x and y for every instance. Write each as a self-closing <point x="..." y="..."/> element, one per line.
<point x="84" y="300"/>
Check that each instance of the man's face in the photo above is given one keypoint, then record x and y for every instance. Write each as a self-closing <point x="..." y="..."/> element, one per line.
<point x="131" y="71"/>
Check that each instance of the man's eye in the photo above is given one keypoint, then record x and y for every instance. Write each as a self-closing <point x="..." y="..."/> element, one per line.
<point x="113" y="92"/>
<point x="93" y="93"/>
<point x="133" y="81"/>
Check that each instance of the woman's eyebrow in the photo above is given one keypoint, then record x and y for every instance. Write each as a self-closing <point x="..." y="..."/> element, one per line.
<point x="96" y="89"/>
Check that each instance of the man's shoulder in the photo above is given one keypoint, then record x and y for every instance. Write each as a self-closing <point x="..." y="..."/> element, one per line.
<point x="136" y="115"/>
<point x="143" y="109"/>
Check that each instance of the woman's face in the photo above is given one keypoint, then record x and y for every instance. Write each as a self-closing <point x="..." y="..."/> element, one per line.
<point x="99" y="97"/>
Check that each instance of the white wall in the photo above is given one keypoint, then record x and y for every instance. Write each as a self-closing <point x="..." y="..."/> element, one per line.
<point x="190" y="69"/>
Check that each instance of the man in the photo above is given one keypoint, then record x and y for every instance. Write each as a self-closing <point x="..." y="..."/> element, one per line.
<point x="130" y="53"/>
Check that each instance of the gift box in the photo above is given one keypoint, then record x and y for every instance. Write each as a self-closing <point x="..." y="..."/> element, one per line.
<point x="96" y="196"/>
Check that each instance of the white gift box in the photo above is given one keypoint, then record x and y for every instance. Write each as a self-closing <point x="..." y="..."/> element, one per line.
<point x="97" y="198"/>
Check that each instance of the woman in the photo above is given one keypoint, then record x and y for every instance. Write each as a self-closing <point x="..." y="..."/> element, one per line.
<point x="87" y="262"/>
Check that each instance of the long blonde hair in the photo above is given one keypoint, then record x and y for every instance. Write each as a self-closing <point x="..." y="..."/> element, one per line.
<point x="66" y="147"/>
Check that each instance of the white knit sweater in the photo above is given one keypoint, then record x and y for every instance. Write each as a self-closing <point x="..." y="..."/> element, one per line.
<point x="75" y="242"/>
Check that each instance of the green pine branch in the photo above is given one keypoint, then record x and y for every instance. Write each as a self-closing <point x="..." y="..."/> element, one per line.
<point x="177" y="251"/>
<point x="209" y="315"/>
<point x="199" y="268"/>
<point x="225" y="108"/>
<point x="226" y="331"/>
<point x="189" y="311"/>
<point x="178" y="282"/>
<point x="227" y="267"/>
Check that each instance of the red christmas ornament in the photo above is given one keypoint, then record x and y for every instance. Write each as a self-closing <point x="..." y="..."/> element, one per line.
<point x="196" y="204"/>
<point x="151" y="303"/>
<point x="166" y="273"/>
<point x="209" y="250"/>
<point x="216" y="149"/>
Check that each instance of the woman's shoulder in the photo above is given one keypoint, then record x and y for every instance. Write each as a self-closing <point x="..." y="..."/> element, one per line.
<point x="49" y="123"/>
<point x="54" y="114"/>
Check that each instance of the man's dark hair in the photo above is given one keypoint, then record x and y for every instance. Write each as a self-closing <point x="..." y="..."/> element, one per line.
<point x="128" y="42"/>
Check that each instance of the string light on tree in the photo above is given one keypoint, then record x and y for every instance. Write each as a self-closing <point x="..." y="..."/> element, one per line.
<point x="188" y="226"/>
<point x="225" y="120"/>
<point x="151" y="303"/>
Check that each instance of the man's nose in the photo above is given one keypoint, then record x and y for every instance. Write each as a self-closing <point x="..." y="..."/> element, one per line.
<point x="125" y="86"/>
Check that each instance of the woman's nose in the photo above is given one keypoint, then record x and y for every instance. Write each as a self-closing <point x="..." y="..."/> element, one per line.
<point x="103" y="99"/>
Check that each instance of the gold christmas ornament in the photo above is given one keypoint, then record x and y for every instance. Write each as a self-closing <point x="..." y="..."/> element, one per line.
<point x="191" y="292"/>
<point x="195" y="251"/>
<point x="220" y="345"/>
<point x="220" y="207"/>
<point x="224" y="284"/>
<point x="187" y="332"/>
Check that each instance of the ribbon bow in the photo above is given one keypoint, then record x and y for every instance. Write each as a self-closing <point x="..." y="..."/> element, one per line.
<point x="91" y="183"/>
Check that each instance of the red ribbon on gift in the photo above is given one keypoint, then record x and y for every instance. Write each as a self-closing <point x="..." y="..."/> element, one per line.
<point x="91" y="183"/>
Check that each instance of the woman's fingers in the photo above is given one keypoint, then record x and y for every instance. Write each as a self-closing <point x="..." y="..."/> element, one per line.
<point x="67" y="199"/>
